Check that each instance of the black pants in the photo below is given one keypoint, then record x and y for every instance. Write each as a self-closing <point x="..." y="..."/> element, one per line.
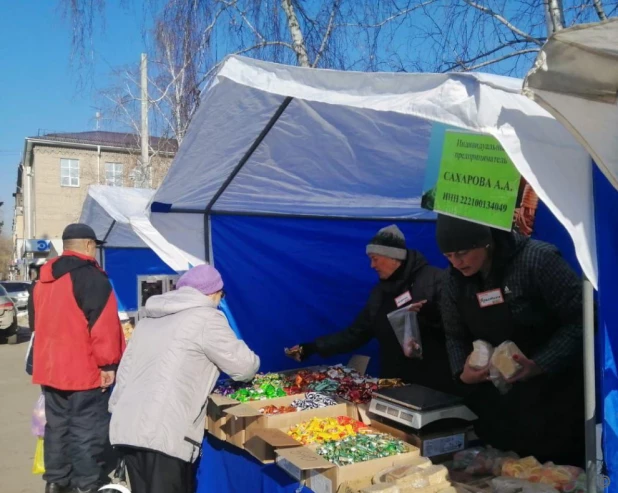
<point x="76" y="437"/>
<point x="153" y="472"/>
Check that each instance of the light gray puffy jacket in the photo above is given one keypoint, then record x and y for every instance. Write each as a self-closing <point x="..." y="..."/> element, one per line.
<point x="171" y="365"/>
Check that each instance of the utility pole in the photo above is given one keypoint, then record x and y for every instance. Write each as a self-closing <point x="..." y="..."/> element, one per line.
<point x="144" y="174"/>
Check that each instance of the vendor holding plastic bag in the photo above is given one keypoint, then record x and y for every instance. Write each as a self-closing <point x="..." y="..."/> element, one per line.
<point x="402" y="313"/>
<point x="506" y="287"/>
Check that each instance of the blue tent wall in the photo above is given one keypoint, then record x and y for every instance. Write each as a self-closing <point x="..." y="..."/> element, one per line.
<point x="606" y="205"/>
<point x="123" y="265"/>
<point x="292" y="280"/>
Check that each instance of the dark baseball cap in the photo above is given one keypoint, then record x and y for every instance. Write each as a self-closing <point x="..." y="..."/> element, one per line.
<point x="80" y="231"/>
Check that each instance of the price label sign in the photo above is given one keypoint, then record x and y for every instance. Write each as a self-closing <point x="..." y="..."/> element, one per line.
<point x="477" y="180"/>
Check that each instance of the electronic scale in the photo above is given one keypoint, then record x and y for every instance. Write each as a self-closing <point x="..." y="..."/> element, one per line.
<point x="417" y="406"/>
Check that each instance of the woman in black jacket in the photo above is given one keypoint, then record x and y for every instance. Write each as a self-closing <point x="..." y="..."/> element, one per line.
<point x="406" y="279"/>
<point x="504" y="286"/>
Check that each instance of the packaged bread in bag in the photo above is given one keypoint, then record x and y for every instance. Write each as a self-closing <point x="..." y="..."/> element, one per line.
<point x="481" y="356"/>
<point x="503" y="361"/>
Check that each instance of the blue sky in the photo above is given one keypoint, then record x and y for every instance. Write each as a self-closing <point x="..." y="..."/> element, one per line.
<point x="38" y="86"/>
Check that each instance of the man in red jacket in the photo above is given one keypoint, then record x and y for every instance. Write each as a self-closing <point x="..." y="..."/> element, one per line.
<point x="78" y="345"/>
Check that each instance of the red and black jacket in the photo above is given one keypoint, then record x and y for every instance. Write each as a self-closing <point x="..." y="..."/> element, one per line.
<point x="78" y="332"/>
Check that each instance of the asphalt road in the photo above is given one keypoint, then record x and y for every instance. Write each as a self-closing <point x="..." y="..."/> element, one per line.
<point x="16" y="442"/>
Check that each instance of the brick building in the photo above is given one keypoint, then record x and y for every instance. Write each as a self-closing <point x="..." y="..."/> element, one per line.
<point x="57" y="169"/>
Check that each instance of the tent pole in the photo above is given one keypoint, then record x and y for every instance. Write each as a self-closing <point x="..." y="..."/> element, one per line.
<point x="249" y="153"/>
<point x="109" y="231"/>
<point x="207" y="240"/>
<point x="589" y="386"/>
<point x="235" y="171"/>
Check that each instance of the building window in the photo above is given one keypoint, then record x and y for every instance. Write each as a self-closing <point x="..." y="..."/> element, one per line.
<point x="69" y="172"/>
<point x="114" y="174"/>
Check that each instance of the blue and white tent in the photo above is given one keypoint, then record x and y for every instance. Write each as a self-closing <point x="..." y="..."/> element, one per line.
<point x="133" y="247"/>
<point x="287" y="172"/>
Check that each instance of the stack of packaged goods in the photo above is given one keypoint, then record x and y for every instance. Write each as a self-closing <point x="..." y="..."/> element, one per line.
<point x="418" y="476"/>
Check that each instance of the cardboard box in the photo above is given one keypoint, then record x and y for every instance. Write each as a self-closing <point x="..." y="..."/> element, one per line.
<point x="321" y="476"/>
<point x="245" y="419"/>
<point x="219" y="424"/>
<point x="215" y="415"/>
<point x="264" y="444"/>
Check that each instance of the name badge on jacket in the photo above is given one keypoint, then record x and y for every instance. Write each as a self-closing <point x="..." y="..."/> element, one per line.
<point x="402" y="299"/>
<point x="490" y="298"/>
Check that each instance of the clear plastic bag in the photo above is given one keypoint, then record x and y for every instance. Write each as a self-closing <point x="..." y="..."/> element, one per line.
<point x="514" y="485"/>
<point x="498" y="380"/>
<point x="405" y="325"/>
<point x="502" y="359"/>
<point x="37" y="425"/>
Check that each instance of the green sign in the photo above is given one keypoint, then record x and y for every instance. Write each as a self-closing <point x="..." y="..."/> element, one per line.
<point x="477" y="180"/>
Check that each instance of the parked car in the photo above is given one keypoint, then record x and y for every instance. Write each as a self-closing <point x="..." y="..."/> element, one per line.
<point x="19" y="292"/>
<point x="8" y="317"/>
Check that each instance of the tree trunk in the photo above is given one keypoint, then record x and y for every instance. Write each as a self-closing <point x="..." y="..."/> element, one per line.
<point x="298" y="40"/>
<point x="555" y="16"/>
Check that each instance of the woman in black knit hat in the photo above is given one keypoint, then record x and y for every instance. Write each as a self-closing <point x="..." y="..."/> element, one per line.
<point x="504" y="286"/>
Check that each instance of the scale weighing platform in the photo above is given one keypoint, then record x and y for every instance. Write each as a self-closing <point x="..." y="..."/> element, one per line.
<point x="417" y="406"/>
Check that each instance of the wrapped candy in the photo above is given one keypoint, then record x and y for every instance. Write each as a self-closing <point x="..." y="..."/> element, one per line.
<point x="361" y="447"/>
<point x="272" y="410"/>
<point x="337" y="380"/>
<point x="263" y="392"/>
<point x="313" y="400"/>
<point x="320" y="430"/>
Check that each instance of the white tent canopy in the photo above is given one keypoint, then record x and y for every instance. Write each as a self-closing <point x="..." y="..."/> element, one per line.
<point x="276" y="139"/>
<point x="575" y="78"/>
<point x="118" y="216"/>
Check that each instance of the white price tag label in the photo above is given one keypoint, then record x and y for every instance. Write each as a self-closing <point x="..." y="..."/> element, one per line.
<point x="290" y="468"/>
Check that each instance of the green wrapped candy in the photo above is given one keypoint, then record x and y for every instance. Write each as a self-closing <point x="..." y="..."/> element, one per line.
<point x="361" y="448"/>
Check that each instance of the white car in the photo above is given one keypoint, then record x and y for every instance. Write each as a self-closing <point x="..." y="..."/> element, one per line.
<point x="19" y="291"/>
<point x="8" y="317"/>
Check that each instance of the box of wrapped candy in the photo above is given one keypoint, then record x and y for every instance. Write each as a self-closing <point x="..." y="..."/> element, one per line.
<point x="329" y="466"/>
<point x="246" y="419"/>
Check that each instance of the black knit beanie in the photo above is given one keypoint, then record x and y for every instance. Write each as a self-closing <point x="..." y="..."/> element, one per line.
<point x="389" y="242"/>
<point x="455" y="235"/>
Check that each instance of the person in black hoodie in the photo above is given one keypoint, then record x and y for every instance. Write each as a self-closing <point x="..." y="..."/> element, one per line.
<point x="406" y="279"/>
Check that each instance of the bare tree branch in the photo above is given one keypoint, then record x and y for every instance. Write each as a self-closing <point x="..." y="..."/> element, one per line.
<point x="504" y="57"/>
<point x="504" y="21"/>
<point x="327" y="34"/>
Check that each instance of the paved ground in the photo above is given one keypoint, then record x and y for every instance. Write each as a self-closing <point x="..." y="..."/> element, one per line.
<point x="18" y="397"/>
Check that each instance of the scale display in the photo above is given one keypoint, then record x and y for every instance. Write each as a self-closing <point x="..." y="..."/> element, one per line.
<point x="418" y="397"/>
<point x="417" y="406"/>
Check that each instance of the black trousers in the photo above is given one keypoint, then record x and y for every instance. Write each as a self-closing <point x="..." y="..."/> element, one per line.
<point x="76" y="437"/>
<point x="154" y="472"/>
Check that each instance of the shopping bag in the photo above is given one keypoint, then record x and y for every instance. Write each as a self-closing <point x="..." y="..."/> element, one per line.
<point x="38" y="466"/>
<point x="37" y="425"/>
<point x="405" y="326"/>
